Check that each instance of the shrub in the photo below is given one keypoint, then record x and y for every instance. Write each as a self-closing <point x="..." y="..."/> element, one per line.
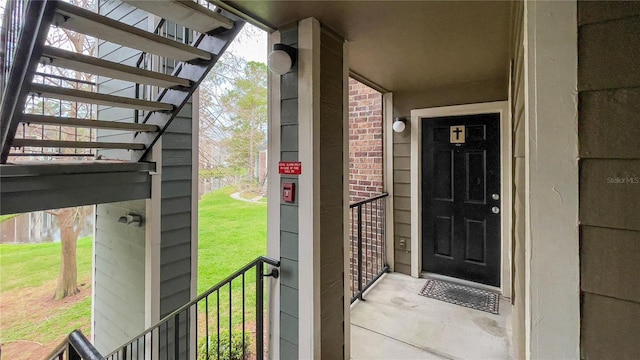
<point x="228" y="351"/>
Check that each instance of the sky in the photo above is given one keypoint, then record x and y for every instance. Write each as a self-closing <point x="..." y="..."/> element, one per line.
<point x="251" y="44"/>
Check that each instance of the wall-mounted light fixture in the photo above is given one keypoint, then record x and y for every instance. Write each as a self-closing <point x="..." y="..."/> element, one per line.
<point x="282" y="59"/>
<point x="131" y="219"/>
<point x="399" y="124"/>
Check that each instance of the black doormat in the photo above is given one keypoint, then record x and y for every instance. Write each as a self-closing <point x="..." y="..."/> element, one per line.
<point x="467" y="296"/>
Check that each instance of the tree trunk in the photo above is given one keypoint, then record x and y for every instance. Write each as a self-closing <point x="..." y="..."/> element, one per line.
<point x="68" y="278"/>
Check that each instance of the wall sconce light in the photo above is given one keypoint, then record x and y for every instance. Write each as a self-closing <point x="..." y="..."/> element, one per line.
<point x="399" y="124"/>
<point x="282" y="59"/>
<point x="131" y="219"/>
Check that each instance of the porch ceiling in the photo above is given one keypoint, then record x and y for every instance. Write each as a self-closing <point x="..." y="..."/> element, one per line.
<point x="407" y="45"/>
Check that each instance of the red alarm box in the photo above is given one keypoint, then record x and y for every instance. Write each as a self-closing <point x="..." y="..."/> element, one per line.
<point x="288" y="192"/>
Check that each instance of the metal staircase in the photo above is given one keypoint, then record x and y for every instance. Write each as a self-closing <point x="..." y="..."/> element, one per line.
<point x="26" y="24"/>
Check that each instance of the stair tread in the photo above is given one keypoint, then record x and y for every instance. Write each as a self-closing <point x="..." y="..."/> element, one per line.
<point x="188" y="13"/>
<point x="92" y="65"/>
<point x="86" y="123"/>
<point x="98" y="98"/>
<point x="75" y="144"/>
<point x="89" y="23"/>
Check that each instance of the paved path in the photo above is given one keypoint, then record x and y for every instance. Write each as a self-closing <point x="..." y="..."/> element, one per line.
<point x="237" y="196"/>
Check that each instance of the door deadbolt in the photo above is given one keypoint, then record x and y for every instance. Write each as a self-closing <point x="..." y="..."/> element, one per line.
<point x="495" y="196"/>
<point x="495" y="209"/>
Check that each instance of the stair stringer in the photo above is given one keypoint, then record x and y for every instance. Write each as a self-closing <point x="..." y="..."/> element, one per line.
<point x="29" y="49"/>
<point x="195" y="72"/>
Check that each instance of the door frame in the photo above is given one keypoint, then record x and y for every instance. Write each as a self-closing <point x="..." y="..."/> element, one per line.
<point x="506" y="182"/>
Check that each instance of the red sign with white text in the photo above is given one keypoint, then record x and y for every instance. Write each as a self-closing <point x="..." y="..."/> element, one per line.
<point x="290" y="168"/>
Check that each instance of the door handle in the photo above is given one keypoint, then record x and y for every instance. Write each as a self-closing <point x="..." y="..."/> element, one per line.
<point x="495" y="209"/>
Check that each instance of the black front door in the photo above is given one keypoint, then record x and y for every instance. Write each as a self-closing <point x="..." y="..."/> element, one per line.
<point x="461" y="197"/>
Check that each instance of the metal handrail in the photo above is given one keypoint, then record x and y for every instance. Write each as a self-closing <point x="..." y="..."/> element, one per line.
<point x="365" y="238"/>
<point x="80" y="345"/>
<point x="75" y="346"/>
<point x="58" y="352"/>
<point x="173" y="317"/>
<point x="368" y="200"/>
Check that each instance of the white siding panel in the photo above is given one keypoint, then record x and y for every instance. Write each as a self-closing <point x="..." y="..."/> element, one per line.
<point x="119" y="276"/>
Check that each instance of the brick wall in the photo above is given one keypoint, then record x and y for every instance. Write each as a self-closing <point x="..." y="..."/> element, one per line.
<point x="365" y="180"/>
<point x="365" y="141"/>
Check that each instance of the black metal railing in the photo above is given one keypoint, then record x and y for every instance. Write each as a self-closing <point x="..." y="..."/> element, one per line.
<point x="367" y="243"/>
<point x="12" y="23"/>
<point x="38" y="105"/>
<point x="225" y="322"/>
<point x="75" y="347"/>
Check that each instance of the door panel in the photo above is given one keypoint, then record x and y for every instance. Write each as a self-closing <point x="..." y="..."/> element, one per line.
<point x="444" y="175"/>
<point x="476" y="177"/>
<point x="444" y="236"/>
<point x="476" y="244"/>
<point x="460" y="233"/>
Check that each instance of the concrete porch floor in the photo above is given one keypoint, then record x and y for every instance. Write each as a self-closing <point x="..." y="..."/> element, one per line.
<point x="396" y="323"/>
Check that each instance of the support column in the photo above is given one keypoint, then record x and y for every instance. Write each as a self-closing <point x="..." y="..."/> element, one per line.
<point x="321" y="130"/>
<point x="311" y="126"/>
<point x="552" y="279"/>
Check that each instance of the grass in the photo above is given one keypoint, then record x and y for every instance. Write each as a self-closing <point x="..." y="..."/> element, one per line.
<point x="231" y="234"/>
<point x="7" y="217"/>
<point x="28" y="280"/>
<point x="32" y="265"/>
<point x="55" y="325"/>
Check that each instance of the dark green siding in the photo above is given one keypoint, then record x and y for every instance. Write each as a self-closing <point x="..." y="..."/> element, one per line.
<point x="289" y="212"/>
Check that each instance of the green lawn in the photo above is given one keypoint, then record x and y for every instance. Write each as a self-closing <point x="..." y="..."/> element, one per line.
<point x="7" y="217"/>
<point x="33" y="269"/>
<point x="231" y="234"/>
<point x="54" y="326"/>
<point x="31" y="265"/>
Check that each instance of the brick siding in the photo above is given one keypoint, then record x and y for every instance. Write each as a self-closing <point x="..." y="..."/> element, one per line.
<point x="366" y="179"/>
<point x="365" y="142"/>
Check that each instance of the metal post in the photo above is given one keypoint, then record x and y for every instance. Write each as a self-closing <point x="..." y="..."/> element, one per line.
<point x="259" y="311"/>
<point x="79" y="347"/>
<point x="176" y="333"/>
<point x="360" y="252"/>
<point x="72" y="353"/>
